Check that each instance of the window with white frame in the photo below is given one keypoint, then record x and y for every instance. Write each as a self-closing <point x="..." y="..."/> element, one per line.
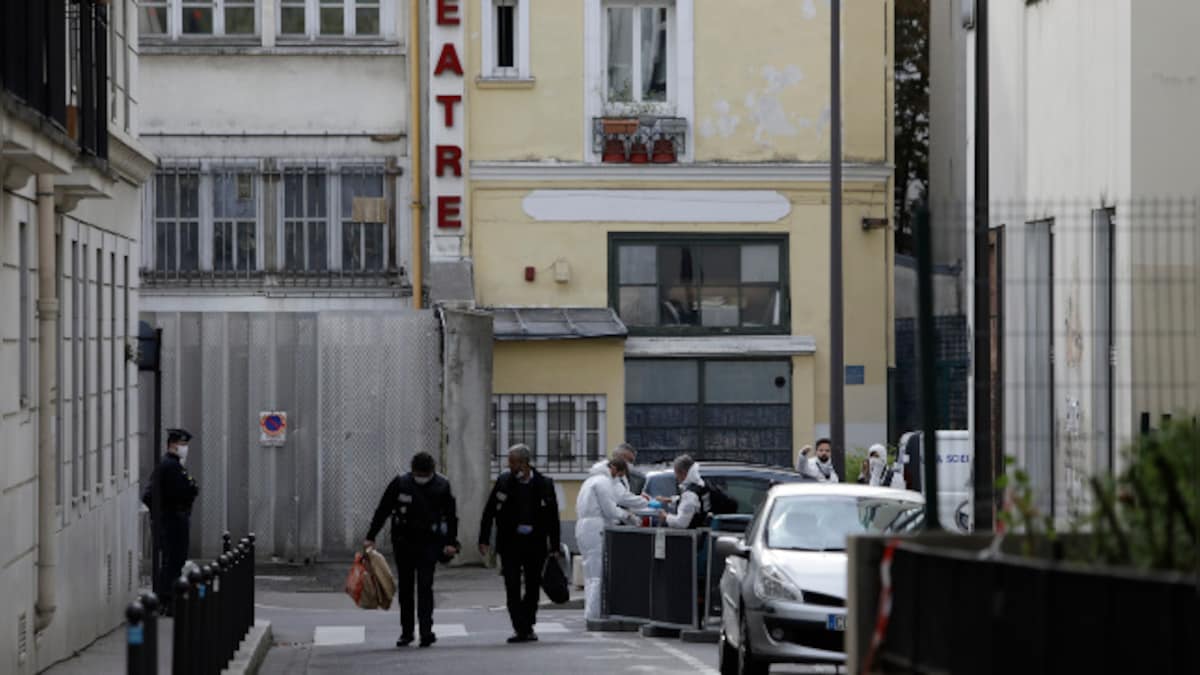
<point x="305" y="220"/>
<point x="565" y="431"/>
<point x="639" y="48"/>
<point x="364" y="219"/>
<point x="175" y="18"/>
<point x="177" y="220"/>
<point x="505" y="37"/>
<point x="333" y="18"/>
<point x="235" y="219"/>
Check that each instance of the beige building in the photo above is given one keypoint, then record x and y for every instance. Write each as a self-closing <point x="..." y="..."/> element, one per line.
<point x="72" y="168"/>
<point x="639" y="190"/>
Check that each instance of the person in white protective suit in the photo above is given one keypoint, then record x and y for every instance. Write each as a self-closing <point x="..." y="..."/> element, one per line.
<point x="625" y="497"/>
<point x="595" y="508"/>
<point x="877" y="464"/>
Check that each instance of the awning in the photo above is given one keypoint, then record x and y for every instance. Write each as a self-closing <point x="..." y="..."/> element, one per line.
<point x="556" y="323"/>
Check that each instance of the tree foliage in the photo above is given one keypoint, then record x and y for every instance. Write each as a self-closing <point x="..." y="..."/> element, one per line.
<point x="912" y="112"/>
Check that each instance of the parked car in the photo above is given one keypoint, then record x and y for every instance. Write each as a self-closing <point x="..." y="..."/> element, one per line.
<point x="783" y="592"/>
<point x="746" y="483"/>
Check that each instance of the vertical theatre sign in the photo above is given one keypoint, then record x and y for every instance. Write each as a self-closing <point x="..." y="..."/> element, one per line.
<point x="447" y="124"/>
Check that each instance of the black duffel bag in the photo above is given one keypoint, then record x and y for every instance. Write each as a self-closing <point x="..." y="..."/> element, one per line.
<point x="554" y="581"/>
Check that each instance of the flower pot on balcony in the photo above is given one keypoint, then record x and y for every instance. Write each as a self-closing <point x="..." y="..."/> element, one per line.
<point x="614" y="151"/>
<point x="664" y="151"/>
<point x="638" y="154"/>
<point x="620" y="125"/>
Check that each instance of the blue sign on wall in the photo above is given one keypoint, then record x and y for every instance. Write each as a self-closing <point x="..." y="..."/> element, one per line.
<point x="856" y="374"/>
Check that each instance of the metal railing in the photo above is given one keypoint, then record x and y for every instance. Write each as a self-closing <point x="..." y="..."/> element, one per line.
<point x="214" y="611"/>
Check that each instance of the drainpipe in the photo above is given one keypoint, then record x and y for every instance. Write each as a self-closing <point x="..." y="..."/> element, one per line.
<point x="414" y="147"/>
<point x="47" y="307"/>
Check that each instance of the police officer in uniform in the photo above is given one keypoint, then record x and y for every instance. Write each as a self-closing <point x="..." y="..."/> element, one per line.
<point x="525" y="510"/>
<point x="424" y="532"/>
<point x="177" y="492"/>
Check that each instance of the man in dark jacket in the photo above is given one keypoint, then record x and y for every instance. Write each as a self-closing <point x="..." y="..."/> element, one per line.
<point x="525" y="510"/>
<point x="424" y="531"/>
<point x="171" y="512"/>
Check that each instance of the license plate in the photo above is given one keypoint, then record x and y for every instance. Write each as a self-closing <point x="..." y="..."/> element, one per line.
<point x="836" y="622"/>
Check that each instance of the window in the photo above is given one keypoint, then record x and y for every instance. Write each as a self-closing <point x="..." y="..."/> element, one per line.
<point x="565" y="432"/>
<point x="177" y="221"/>
<point x="235" y="205"/>
<point x="25" y="320"/>
<point x="125" y="366"/>
<point x="638" y="48"/>
<point x="198" y="18"/>
<point x="505" y="31"/>
<point x="737" y="410"/>
<point x="700" y="285"/>
<point x="364" y="219"/>
<point x="76" y="370"/>
<point x="85" y="385"/>
<point x="60" y="377"/>
<point x="332" y="18"/>
<point x="99" y="367"/>
<point x="117" y="359"/>
<point x="305" y="220"/>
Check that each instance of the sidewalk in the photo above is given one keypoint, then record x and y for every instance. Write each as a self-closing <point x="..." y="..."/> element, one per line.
<point x="107" y="655"/>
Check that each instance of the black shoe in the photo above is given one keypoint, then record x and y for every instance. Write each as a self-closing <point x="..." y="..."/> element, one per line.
<point x="531" y="637"/>
<point x="404" y="641"/>
<point x="516" y="638"/>
<point x="427" y="640"/>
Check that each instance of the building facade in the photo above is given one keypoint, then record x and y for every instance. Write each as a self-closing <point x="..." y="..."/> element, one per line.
<point x="1096" y="232"/>
<point x="645" y="209"/>
<point x="73" y="169"/>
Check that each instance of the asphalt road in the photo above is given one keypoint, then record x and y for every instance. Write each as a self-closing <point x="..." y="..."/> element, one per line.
<point x="317" y="631"/>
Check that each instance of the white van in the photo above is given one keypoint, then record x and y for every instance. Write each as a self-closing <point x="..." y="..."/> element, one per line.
<point x="955" y="486"/>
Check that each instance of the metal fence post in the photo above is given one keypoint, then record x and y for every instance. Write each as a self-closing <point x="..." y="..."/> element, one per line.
<point x="250" y="594"/>
<point x="225" y="542"/>
<point x="180" y="644"/>
<point x="150" y="651"/>
<point x="135" y="639"/>
<point x="204" y="643"/>
<point x="196" y="622"/>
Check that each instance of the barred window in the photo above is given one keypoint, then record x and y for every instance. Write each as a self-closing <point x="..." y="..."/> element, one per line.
<point x="565" y="431"/>
<point x="235" y="245"/>
<point x="305" y="220"/>
<point x="177" y="220"/>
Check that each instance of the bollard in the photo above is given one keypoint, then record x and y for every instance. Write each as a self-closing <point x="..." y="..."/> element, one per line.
<point x="250" y="594"/>
<point x="227" y="603"/>
<point x="196" y="622"/>
<point x="135" y="639"/>
<point x="225" y="542"/>
<point x="150" y="652"/>
<point x="244" y="620"/>
<point x="206" y="626"/>
<point x="181" y="646"/>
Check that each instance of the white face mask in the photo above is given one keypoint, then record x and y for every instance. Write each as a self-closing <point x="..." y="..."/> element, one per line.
<point x="182" y="451"/>
<point x="422" y="480"/>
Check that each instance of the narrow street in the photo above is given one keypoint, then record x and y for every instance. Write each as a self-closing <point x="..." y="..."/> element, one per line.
<point x="319" y="631"/>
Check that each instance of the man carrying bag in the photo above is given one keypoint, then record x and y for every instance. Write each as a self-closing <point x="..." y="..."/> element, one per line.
<point x="424" y="532"/>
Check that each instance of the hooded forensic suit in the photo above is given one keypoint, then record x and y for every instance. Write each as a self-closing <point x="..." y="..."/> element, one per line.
<point x="596" y="508"/>
<point x="691" y="510"/>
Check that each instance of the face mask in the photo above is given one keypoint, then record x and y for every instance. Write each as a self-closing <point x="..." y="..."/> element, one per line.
<point x="182" y="451"/>
<point x="422" y="480"/>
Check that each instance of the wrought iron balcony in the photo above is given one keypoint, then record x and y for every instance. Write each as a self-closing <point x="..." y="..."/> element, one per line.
<point x="639" y="140"/>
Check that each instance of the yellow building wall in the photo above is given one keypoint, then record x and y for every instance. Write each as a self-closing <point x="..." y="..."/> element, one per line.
<point x="762" y="80"/>
<point x="522" y="122"/>
<point x="507" y="241"/>
<point x="761" y="77"/>
<point x="593" y="366"/>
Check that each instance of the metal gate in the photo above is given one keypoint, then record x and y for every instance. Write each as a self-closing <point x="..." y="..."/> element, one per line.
<point x="362" y="393"/>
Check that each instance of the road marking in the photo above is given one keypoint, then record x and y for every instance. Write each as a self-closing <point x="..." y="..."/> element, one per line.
<point x="697" y="664"/>
<point x="449" y="630"/>
<point x="550" y="628"/>
<point x="326" y="636"/>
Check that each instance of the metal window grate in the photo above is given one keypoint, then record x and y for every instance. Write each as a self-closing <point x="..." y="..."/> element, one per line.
<point x="565" y="431"/>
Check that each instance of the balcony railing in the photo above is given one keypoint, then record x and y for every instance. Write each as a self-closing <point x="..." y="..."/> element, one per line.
<point x="639" y="140"/>
<point x="392" y="278"/>
<point x="54" y="60"/>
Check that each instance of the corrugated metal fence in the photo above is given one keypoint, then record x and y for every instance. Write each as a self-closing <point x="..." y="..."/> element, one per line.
<point x="362" y="394"/>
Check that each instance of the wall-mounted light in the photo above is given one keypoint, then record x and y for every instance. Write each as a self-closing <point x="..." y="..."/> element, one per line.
<point x="874" y="223"/>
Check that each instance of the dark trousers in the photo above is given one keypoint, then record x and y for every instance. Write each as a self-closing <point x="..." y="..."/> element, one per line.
<point x="415" y="562"/>
<point x="173" y="533"/>
<point x="523" y="563"/>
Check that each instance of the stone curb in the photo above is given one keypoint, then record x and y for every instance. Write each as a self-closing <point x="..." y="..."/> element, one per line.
<point x="253" y="650"/>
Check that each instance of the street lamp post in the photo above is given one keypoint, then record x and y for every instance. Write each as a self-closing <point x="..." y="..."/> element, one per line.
<point x="837" y="370"/>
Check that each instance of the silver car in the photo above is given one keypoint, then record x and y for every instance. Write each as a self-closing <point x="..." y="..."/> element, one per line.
<point x="783" y="593"/>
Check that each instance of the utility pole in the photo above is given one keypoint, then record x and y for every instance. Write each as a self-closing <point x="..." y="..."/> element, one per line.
<point x="837" y="368"/>
<point x="985" y="459"/>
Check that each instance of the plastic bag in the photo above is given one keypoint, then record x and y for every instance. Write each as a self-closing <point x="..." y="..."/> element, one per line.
<point x="357" y="582"/>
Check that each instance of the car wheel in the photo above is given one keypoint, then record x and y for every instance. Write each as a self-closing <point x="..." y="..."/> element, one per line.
<point x="747" y="663"/>
<point x="728" y="656"/>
